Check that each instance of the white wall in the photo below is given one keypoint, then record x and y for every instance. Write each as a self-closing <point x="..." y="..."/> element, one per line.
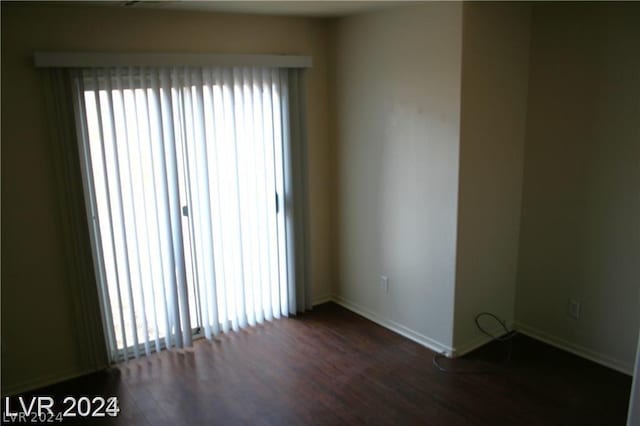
<point x="397" y="104"/>
<point x="580" y="233"/>
<point x="495" y="65"/>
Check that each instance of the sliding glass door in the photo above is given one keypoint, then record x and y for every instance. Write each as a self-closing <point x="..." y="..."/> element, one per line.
<point x="185" y="180"/>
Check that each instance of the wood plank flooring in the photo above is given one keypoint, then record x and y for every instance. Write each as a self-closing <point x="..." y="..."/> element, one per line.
<point x="331" y="366"/>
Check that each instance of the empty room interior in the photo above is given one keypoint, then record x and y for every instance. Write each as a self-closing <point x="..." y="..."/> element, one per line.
<point x="316" y="212"/>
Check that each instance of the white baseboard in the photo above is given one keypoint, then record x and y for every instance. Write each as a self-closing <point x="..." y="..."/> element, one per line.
<point x="321" y="300"/>
<point x="40" y="382"/>
<point x="581" y="351"/>
<point x="453" y="352"/>
<point x="402" y="330"/>
<point x="479" y="341"/>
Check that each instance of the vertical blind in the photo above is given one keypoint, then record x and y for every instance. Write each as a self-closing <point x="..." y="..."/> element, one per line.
<point x="195" y="189"/>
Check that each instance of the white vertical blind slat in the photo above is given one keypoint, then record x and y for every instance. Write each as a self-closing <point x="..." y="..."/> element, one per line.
<point x="209" y="302"/>
<point x="173" y="209"/>
<point x="250" y="231"/>
<point x="268" y="188"/>
<point x="288" y="193"/>
<point x="155" y="138"/>
<point x="102" y="228"/>
<point x="204" y="204"/>
<point x="236" y="278"/>
<point x="295" y="166"/>
<point x="150" y="250"/>
<point x="164" y="129"/>
<point x="278" y="135"/>
<point x="139" y="241"/>
<point x="262" y="283"/>
<point x="193" y="240"/>
<point x="182" y="315"/>
<point x="217" y="156"/>
<point x="237" y="108"/>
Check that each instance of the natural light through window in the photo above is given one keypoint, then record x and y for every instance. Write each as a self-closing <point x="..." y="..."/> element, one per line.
<point x="187" y="178"/>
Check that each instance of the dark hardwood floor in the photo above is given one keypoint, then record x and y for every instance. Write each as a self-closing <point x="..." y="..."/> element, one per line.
<point x="331" y="366"/>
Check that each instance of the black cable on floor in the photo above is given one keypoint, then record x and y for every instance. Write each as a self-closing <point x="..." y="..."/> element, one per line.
<point x="509" y="334"/>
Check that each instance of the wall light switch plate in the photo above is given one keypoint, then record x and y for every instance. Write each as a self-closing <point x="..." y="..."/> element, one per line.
<point x="384" y="283"/>
<point x="574" y="309"/>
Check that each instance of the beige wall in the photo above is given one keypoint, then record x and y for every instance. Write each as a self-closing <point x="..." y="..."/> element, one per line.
<point x="580" y="233"/>
<point x="38" y="343"/>
<point x="397" y="76"/>
<point x="495" y="58"/>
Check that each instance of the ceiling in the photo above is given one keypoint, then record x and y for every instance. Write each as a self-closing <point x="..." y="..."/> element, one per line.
<point x="294" y="8"/>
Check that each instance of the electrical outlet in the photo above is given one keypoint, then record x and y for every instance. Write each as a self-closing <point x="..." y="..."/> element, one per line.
<point x="384" y="283"/>
<point x="574" y="309"/>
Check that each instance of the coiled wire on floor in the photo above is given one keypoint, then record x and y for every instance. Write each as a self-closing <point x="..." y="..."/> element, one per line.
<point x="505" y="338"/>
